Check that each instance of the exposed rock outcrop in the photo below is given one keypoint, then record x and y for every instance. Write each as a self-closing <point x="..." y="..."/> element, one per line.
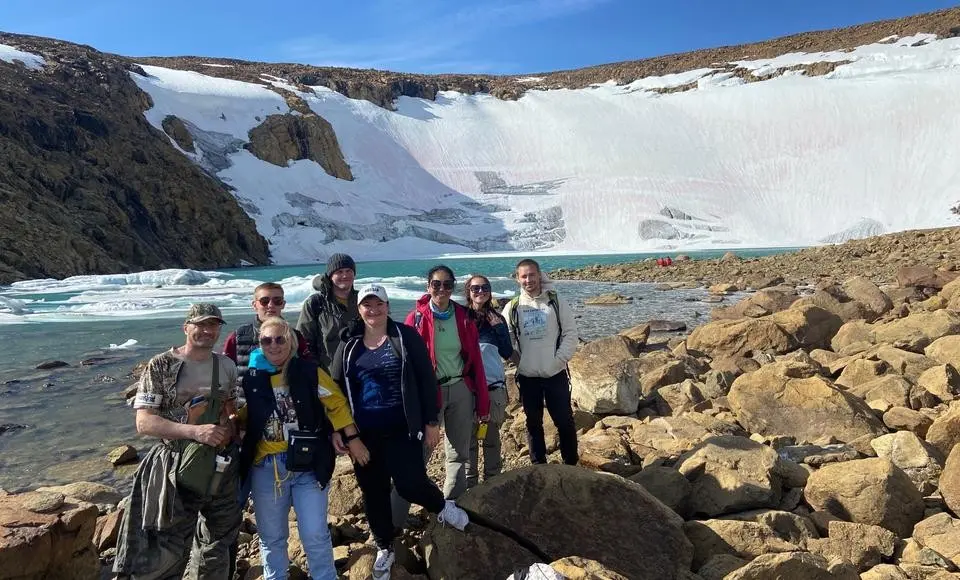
<point x="280" y="139"/>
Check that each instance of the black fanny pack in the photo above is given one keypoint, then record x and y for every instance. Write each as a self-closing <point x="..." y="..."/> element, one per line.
<point x="496" y="385"/>
<point x="304" y="450"/>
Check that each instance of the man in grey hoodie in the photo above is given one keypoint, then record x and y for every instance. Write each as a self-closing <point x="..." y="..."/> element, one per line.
<point x="330" y="309"/>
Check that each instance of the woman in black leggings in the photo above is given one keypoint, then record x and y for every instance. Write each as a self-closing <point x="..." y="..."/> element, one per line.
<point x="384" y="369"/>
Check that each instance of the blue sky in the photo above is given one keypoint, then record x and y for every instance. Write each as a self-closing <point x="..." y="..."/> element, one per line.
<point x="489" y="36"/>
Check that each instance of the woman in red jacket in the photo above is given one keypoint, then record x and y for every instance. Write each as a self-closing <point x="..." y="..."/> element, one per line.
<point x="454" y="345"/>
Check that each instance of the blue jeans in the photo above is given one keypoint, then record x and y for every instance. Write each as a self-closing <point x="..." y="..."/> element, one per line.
<point x="274" y="490"/>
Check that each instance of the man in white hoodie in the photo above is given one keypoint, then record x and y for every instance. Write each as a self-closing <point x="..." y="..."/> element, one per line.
<point x="544" y="332"/>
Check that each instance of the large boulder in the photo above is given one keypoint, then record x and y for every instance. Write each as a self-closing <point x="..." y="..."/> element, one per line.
<point x="740" y="338"/>
<point x="793" y="566"/>
<point x="604" y="376"/>
<point x="867" y="491"/>
<point x="576" y="568"/>
<point x="917" y="331"/>
<point x="280" y="139"/>
<point x="43" y="537"/>
<point x="791" y="399"/>
<point x="559" y="511"/>
<point x="760" y="303"/>
<point x="864" y="291"/>
<point x="743" y="539"/>
<point x="940" y="533"/>
<point x="666" y="436"/>
<point x="921" y="276"/>
<point x="945" y="350"/>
<point x="944" y="432"/>
<point x="731" y="474"/>
<point x="950" y="481"/>
<point x="810" y="326"/>
<point x="922" y="462"/>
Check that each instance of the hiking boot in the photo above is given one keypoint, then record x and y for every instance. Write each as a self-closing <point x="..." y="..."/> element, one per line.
<point x="381" y="568"/>
<point x="454" y="515"/>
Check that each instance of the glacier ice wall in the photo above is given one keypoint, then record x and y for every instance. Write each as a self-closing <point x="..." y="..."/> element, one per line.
<point x="793" y="160"/>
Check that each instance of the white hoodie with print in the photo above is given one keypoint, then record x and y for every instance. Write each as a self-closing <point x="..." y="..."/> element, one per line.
<point x="538" y="329"/>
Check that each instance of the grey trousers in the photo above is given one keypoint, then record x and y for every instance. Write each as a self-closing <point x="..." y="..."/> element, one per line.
<point x="456" y="416"/>
<point x="492" y="458"/>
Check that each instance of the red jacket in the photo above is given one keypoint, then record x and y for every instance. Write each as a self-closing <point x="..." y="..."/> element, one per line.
<point x="473" y="374"/>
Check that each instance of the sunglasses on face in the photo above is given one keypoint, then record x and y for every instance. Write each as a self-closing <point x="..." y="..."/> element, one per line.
<point x="271" y="340"/>
<point x="275" y="300"/>
<point x="445" y="284"/>
<point x="480" y="288"/>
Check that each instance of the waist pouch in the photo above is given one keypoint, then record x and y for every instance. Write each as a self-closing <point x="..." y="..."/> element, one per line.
<point x="305" y="449"/>
<point x="496" y="385"/>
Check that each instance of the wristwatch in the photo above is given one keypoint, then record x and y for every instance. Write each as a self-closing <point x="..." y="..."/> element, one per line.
<point x="349" y="438"/>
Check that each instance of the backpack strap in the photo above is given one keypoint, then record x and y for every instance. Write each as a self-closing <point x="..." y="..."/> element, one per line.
<point x="554" y="301"/>
<point x="515" y="319"/>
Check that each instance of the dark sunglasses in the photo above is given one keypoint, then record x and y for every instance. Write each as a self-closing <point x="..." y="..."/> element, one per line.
<point x="269" y="340"/>
<point x="445" y="284"/>
<point x="276" y="300"/>
<point x="479" y="288"/>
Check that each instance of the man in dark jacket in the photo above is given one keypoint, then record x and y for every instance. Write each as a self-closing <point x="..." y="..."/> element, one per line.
<point x="268" y="301"/>
<point x="330" y="309"/>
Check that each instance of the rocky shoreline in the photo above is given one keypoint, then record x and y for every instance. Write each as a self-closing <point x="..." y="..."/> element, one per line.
<point x="877" y="258"/>
<point x="791" y="436"/>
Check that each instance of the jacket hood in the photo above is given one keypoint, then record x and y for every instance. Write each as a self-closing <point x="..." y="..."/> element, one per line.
<point x="323" y="284"/>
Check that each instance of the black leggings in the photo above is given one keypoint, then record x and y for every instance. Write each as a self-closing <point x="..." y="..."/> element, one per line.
<point x="397" y="457"/>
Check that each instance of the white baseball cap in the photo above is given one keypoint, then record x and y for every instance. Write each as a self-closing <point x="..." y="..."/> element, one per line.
<point x="372" y="290"/>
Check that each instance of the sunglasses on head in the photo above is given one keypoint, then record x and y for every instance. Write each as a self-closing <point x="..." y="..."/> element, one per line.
<point x="270" y="340"/>
<point x="445" y="284"/>
<point x="479" y="288"/>
<point x="275" y="300"/>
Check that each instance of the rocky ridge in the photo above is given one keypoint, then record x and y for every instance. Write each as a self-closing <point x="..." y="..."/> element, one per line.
<point x="384" y="87"/>
<point x="88" y="186"/>
<point x="878" y="258"/>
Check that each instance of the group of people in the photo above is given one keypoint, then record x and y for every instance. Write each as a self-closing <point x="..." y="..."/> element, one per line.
<point x="265" y="419"/>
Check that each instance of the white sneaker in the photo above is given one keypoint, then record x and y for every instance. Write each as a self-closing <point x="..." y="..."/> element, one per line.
<point x="381" y="568"/>
<point x="454" y="515"/>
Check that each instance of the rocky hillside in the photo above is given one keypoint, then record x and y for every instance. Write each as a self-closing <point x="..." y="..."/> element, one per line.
<point x="878" y="258"/>
<point x="88" y="186"/>
<point x="383" y="87"/>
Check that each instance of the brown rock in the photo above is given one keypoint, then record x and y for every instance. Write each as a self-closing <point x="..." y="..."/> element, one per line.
<point x="742" y="539"/>
<point x="859" y="544"/>
<point x="604" y="376"/>
<point x="793" y="566"/>
<point x="719" y="565"/>
<point x="940" y="533"/>
<point x="122" y="455"/>
<point x="860" y="371"/>
<point x="577" y="568"/>
<point x="638" y="335"/>
<point x="107" y="530"/>
<point x="666" y="484"/>
<point x="606" y="450"/>
<point x="175" y="128"/>
<point x="945" y="350"/>
<point x="280" y="139"/>
<point x="884" y="572"/>
<point x="345" y="495"/>
<point x="612" y="299"/>
<point x="864" y="291"/>
<point x="923" y="277"/>
<point x="851" y="333"/>
<point x="666" y="436"/>
<point x="572" y="514"/>
<point x="867" y="491"/>
<point x="791" y="399"/>
<point x="942" y="381"/>
<point x="944" y="433"/>
<point x="893" y="389"/>
<point x="787" y="526"/>
<point x="902" y="418"/>
<point x="917" y="331"/>
<point x="907" y="364"/>
<point x="730" y="474"/>
<point x="97" y="493"/>
<point x="950" y="481"/>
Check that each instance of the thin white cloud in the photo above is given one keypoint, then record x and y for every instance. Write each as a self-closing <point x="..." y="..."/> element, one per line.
<point x="433" y="36"/>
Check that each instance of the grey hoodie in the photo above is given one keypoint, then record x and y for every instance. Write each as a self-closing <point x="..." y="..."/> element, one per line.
<point x="322" y="319"/>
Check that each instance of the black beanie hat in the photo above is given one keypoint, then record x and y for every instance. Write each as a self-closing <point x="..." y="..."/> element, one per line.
<point x="340" y="261"/>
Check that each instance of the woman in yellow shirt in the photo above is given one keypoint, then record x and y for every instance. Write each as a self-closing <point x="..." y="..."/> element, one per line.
<point x="294" y="416"/>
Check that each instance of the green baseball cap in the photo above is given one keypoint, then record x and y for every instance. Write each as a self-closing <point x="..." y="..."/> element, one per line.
<point x="204" y="311"/>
